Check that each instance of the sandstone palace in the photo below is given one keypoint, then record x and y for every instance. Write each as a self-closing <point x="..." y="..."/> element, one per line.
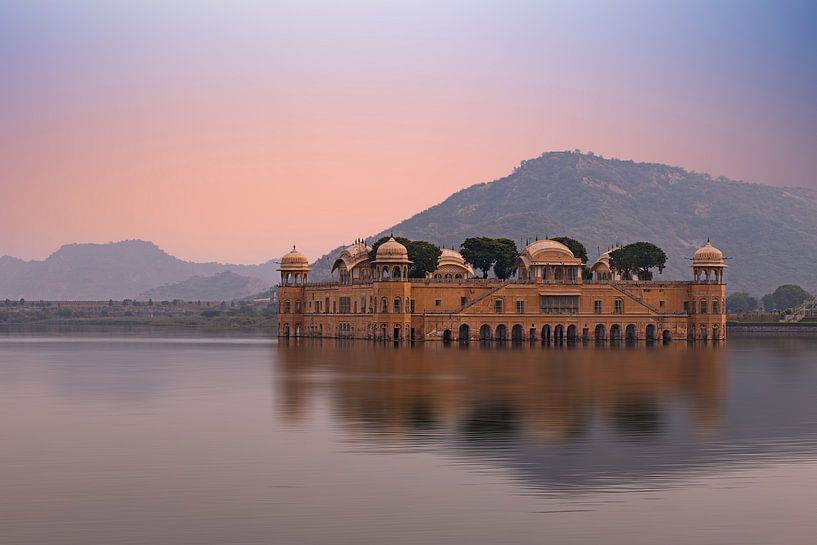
<point x="547" y="300"/>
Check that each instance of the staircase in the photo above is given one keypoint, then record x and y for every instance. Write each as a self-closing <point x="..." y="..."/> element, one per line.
<point x="635" y="298"/>
<point x="483" y="296"/>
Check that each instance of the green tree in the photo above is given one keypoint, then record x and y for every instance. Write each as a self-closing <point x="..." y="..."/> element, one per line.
<point x="479" y="252"/>
<point x="740" y="302"/>
<point x="786" y="296"/>
<point x="638" y="258"/>
<point x="505" y="255"/>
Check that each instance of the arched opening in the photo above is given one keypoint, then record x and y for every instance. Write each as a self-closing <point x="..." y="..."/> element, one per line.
<point x="464" y="333"/>
<point x="650" y="334"/>
<point x="629" y="333"/>
<point x="559" y="334"/>
<point x="396" y="336"/>
<point x="297" y="330"/>
<point x="546" y="334"/>
<point x="703" y="333"/>
<point x="600" y="334"/>
<point x="447" y="336"/>
<point x="716" y="333"/>
<point x="501" y="333"/>
<point x="532" y="334"/>
<point x="485" y="333"/>
<point x="286" y="330"/>
<point x="666" y="336"/>
<point x="571" y="333"/>
<point x="396" y="272"/>
<point x="615" y="333"/>
<point x="516" y="333"/>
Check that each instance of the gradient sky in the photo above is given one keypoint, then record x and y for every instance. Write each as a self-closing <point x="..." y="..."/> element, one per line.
<point x="230" y="130"/>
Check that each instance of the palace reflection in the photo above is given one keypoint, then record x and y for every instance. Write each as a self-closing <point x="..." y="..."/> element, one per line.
<point x="559" y="414"/>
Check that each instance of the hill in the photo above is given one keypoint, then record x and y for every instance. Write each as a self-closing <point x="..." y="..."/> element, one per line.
<point x="223" y="286"/>
<point x="769" y="234"/>
<point x="117" y="270"/>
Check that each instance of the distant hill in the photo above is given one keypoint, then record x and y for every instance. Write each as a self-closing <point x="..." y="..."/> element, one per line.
<point x="117" y="270"/>
<point x="769" y="234"/>
<point x="223" y="286"/>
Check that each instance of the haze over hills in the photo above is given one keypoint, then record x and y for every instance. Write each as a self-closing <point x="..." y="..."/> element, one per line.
<point x="117" y="270"/>
<point x="769" y="234"/>
<point x="224" y="286"/>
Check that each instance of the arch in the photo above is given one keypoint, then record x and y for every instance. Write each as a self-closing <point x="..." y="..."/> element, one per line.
<point x="572" y="333"/>
<point x="447" y="336"/>
<point x="517" y="334"/>
<point x="716" y="333"/>
<point x="501" y="333"/>
<point x="629" y="333"/>
<point x="396" y="272"/>
<point x="615" y="333"/>
<point x="546" y="334"/>
<point x="464" y="333"/>
<point x="600" y="334"/>
<point x="650" y="333"/>
<point x="703" y="333"/>
<point x="559" y="334"/>
<point x="532" y="333"/>
<point x="666" y="336"/>
<point x="485" y="332"/>
<point x="286" y="330"/>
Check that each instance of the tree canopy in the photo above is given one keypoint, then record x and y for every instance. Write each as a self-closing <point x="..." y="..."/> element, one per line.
<point x="785" y="296"/>
<point x="638" y="258"/>
<point x="740" y="302"/>
<point x="422" y="254"/>
<point x="484" y="253"/>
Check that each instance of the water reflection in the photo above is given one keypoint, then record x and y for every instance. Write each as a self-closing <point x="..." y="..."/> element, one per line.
<point x="571" y="417"/>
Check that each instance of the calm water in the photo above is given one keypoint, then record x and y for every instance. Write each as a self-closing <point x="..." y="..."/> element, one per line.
<point x="140" y="438"/>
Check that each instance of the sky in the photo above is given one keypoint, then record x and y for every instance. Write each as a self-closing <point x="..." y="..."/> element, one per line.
<point x="228" y="131"/>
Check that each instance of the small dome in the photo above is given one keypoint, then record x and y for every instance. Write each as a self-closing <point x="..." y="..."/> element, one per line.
<point x="294" y="260"/>
<point x="707" y="255"/>
<point x="450" y="256"/>
<point x="392" y="250"/>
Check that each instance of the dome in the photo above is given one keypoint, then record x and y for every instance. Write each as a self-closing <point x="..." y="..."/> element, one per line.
<point x="707" y="255"/>
<point x="548" y="249"/>
<point x="451" y="264"/>
<point x="294" y="260"/>
<point x="450" y="256"/>
<point x="352" y="256"/>
<point x="392" y="251"/>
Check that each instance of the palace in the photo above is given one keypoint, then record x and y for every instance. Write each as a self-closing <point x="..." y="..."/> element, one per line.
<point x="548" y="301"/>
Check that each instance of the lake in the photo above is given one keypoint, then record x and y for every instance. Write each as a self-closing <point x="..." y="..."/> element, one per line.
<point x="149" y="437"/>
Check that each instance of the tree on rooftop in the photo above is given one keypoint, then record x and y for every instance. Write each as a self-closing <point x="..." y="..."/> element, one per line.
<point x="638" y="258"/>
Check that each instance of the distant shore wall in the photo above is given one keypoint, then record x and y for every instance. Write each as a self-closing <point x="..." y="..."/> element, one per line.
<point x="771" y="329"/>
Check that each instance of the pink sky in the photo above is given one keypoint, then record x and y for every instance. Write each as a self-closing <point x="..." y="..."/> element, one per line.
<point x="231" y="135"/>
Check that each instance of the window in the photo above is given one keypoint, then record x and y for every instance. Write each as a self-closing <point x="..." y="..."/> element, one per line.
<point x="662" y="304"/>
<point x="334" y="307"/>
<point x="619" y="306"/>
<point x="287" y="307"/>
<point x="438" y="302"/>
<point x="326" y="306"/>
<point x="715" y="307"/>
<point x="397" y="305"/>
<point x="558" y="273"/>
<point x="363" y="304"/>
<point x="411" y="306"/>
<point x="703" y="306"/>
<point x="559" y="304"/>
<point x="520" y="306"/>
<point x="298" y="307"/>
<point x="571" y="274"/>
<point x="498" y="306"/>
<point x="345" y="304"/>
<point x="597" y="306"/>
<point x="686" y="307"/>
<point x="463" y="301"/>
<point x="384" y="305"/>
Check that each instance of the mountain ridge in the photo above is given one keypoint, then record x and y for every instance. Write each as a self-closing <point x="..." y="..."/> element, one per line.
<point x="600" y="201"/>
